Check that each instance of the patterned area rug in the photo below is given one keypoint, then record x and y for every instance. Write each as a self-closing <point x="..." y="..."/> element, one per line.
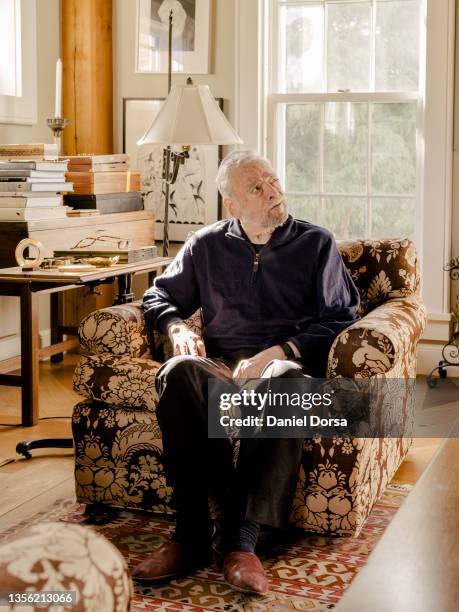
<point x="308" y="573"/>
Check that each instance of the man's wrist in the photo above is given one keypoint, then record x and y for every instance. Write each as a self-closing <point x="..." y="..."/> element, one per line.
<point x="290" y="350"/>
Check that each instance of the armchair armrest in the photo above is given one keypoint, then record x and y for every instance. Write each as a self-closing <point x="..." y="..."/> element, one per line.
<point x="382" y="342"/>
<point x="119" y="330"/>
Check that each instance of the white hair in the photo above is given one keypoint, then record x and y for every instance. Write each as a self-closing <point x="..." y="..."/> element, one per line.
<point x="232" y="161"/>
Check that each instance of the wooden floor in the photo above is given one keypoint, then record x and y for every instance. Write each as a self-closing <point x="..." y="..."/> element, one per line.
<point x="29" y="486"/>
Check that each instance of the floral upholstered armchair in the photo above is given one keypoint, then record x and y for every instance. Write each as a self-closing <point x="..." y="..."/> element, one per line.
<point x="118" y="441"/>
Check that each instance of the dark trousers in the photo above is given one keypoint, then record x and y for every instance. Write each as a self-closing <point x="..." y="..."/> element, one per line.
<point x="261" y="486"/>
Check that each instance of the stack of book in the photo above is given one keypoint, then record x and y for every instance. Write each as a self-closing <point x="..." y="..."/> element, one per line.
<point x="104" y="183"/>
<point x="32" y="181"/>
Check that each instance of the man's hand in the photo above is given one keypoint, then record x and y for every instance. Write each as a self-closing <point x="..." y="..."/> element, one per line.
<point x="185" y="341"/>
<point x="253" y="367"/>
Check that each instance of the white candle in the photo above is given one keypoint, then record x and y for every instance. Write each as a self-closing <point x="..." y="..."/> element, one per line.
<point x="58" y="101"/>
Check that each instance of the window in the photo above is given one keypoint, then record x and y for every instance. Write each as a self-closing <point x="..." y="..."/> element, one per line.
<point x="10" y="48"/>
<point x="18" y="68"/>
<point x="343" y="107"/>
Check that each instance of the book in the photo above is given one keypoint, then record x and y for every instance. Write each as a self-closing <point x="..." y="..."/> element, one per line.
<point x="104" y="182"/>
<point x="40" y="150"/>
<point x="33" y="214"/>
<point x="52" y="166"/>
<point x="6" y="187"/>
<point x="113" y="167"/>
<point x="90" y="160"/>
<point x="33" y="179"/>
<point x="35" y="199"/>
<point x="31" y="173"/>
<point x="106" y="203"/>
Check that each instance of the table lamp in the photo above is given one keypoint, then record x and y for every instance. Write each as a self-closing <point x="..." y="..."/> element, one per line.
<point x="189" y="116"/>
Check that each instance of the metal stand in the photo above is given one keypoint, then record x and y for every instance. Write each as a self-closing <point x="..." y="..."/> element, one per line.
<point x="450" y="351"/>
<point x="171" y="164"/>
<point x="24" y="448"/>
<point x="171" y="159"/>
<point x="57" y="126"/>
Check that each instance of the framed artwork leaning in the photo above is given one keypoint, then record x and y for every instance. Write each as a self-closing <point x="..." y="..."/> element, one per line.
<point x="190" y="35"/>
<point x="194" y="198"/>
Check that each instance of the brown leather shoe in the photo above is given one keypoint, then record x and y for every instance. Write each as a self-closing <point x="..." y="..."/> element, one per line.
<point x="166" y="561"/>
<point x="244" y="572"/>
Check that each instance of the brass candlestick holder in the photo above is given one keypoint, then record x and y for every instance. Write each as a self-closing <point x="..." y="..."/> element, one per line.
<point x="58" y="125"/>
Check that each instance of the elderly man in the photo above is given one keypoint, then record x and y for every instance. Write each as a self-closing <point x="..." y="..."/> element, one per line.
<point x="273" y="293"/>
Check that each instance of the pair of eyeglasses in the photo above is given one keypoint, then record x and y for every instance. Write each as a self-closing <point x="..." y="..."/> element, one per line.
<point x="120" y="243"/>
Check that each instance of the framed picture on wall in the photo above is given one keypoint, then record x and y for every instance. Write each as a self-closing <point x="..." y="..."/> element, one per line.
<point x="194" y="198"/>
<point x="190" y="35"/>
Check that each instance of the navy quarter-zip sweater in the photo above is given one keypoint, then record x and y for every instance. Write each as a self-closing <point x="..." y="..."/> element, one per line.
<point x="295" y="288"/>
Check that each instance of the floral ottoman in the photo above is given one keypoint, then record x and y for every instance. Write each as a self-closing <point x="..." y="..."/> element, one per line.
<point x="48" y="561"/>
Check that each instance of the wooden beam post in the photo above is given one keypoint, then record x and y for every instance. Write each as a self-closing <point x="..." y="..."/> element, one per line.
<point x="86" y="35"/>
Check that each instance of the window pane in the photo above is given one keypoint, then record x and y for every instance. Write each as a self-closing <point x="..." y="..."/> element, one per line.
<point x="397" y="45"/>
<point x="301" y="48"/>
<point x="345" y="147"/>
<point x="392" y="218"/>
<point x="345" y="217"/>
<point x="393" y="148"/>
<point x="304" y="208"/>
<point x="349" y="46"/>
<point x="10" y="83"/>
<point x="302" y="132"/>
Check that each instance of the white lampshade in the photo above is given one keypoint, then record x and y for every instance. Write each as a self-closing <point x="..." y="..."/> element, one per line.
<point x="190" y="116"/>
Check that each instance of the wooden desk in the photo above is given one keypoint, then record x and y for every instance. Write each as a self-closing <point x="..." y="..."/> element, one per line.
<point x="28" y="286"/>
<point x="415" y="566"/>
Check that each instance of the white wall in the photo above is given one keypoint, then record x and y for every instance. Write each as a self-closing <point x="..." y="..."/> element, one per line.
<point x="48" y="37"/>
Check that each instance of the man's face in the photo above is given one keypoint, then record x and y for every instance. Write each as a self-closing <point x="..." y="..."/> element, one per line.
<point x="256" y="196"/>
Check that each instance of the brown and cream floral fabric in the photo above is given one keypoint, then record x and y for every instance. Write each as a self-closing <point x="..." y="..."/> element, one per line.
<point x="119" y="330"/>
<point x="118" y="381"/>
<point x="339" y="479"/>
<point x="119" y="457"/>
<point x="65" y="557"/>
<point x="381" y="269"/>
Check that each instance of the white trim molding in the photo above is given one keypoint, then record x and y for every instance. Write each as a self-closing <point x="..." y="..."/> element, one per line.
<point x="428" y="356"/>
<point x="10" y="346"/>
<point x="437" y="163"/>
<point x="23" y="109"/>
<point x="438" y="328"/>
<point x="249" y="73"/>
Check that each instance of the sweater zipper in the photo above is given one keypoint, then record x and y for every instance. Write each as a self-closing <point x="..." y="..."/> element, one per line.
<point x="256" y="261"/>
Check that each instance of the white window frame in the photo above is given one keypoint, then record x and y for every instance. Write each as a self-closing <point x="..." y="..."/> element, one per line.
<point x="274" y="147"/>
<point x="23" y="109"/>
<point x="435" y="146"/>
